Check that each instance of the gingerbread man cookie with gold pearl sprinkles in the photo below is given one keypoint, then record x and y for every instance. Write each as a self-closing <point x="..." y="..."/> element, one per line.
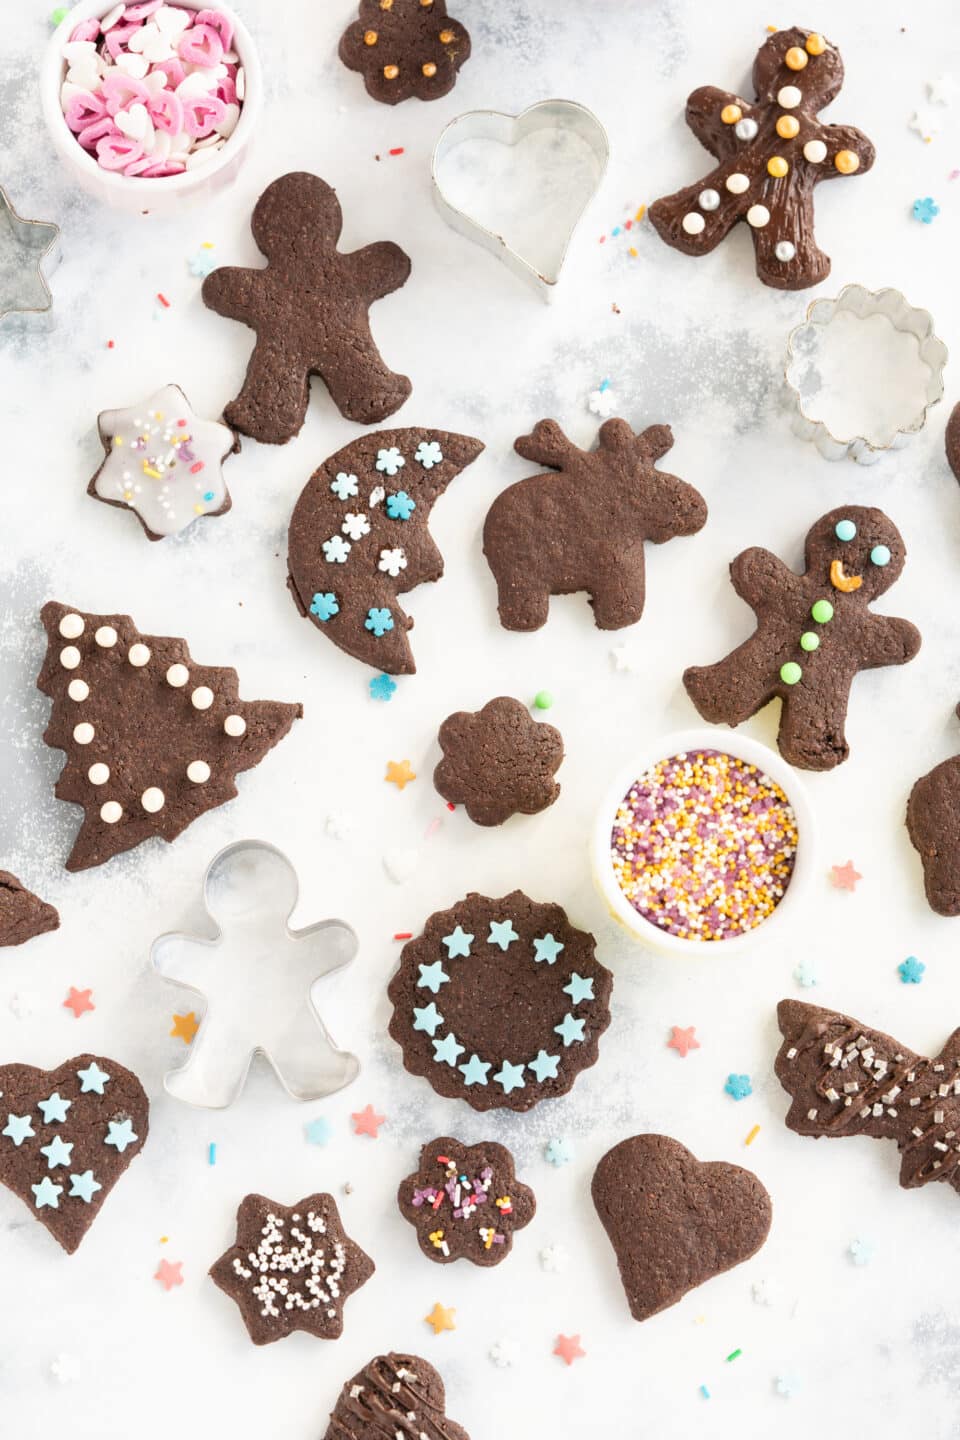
<point x="405" y="48"/>
<point x="772" y="153"/>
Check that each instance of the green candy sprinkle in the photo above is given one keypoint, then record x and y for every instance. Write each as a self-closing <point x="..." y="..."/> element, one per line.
<point x="822" y="612"/>
<point x="543" y="700"/>
<point x="790" y="673"/>
<point x="59" y="14"/>
<point x="809" y="641"/>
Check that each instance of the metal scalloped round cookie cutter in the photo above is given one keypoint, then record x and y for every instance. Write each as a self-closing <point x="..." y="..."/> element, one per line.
<point x="257" y="976"/>
<point x="561" y="116"/>
<point x="25" y="245"/>
<point x="894" y="358"/>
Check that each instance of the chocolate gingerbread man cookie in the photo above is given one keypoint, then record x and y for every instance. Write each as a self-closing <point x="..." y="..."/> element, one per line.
<point x="309" y="310"/>
<point x="394" y="1396"/>
<point x="498" y="761"/>
<point x="675" y="1221"/>
<point x="465" y="1202"/>
<point x="846" y="1079"/>
<point x="814" y="632"/>
<point x="23" y="915"/>
<point x="933" y="823"/>
<point x="771" y="154"/>
<point x="404" y="48"/>
<point x="585" y="528"/>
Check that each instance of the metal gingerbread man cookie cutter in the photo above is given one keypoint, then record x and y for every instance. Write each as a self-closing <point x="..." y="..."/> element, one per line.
<point x="25" y="245"/>
<point x="257" y="976"/>
<point x="565" y="116"/>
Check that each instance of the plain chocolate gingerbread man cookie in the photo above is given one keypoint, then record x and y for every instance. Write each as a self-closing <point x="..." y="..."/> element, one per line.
<point x="309" y="310"/>
<point x="814" y="632"/>
<point x="404" y="48"/>
<point x="771" y="154"/>
<point x="498" y="761"/>
<point x="585" y="528"/>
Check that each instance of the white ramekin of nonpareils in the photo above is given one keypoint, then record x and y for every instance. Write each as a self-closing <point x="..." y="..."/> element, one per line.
<point x="685" y="743"/>
<point x="155" y="195"/>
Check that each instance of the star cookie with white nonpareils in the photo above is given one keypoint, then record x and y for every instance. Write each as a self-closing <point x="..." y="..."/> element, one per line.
<point x="163" y="462"/>
<point x="292" y="1268"/>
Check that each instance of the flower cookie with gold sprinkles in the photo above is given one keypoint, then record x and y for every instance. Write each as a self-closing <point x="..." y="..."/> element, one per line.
<point x="771" y="154"/>
<point x="465" y="1202"/>
<point x="405" y="48"/>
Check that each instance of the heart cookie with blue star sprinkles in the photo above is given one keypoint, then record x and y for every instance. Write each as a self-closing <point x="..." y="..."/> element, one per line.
<point x="500" y="1002"/>
<point x="66" y="1137"/>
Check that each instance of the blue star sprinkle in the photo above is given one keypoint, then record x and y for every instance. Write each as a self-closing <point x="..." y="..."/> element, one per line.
<point x="911" y="970"/>
<point x="318" y="1131"/>
<point x="502" y="933"/>
<point x="433" y="976"/>
<point x="559" y="1152"/>
<point x="46" y="1193"/>
<point x="54" y="1109"/>
<point x="738" y="1086"/>
<point x="545" y="1066"/>
<point x="510" y="1077"/>
<point x="475" y="1071"/>
<point x="546" y="948"/>
<point x="379" y="621"/>
<point x="83" y="1187"/>
<point x="18" y="1129"/>
<point x="579" y="989"/>
<point x="570" y="1029"/>
<point x="427" y="1018"/>
<point x="57" y="1152"/>
<point x="92" y="1079"/>
<point x="325" y="606"/>
<point x="382" y="687"/>
<point x="447" y="1051"/>
<point x="120" y="1133"/>
<point x="458" y="943"/>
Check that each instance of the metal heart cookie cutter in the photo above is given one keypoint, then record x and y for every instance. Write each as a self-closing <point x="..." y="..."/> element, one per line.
<point x="24" y="247"/>
<point x="864" y="371"/>
<point x="257" y="977"/>
<point x="571" y="192"/>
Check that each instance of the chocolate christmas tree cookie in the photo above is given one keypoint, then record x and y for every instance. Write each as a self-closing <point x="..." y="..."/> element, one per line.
<point x="500" y="1002"/>
<point x="846" y="1079"/>
<point x="673" y="1220"/>
<point x="814" y="632"/>
<point x="163" y="462"/>
<point x="771" y="153"/>
<point x="498" y="762"/>
<point x="465" y="1202"/>
<point x="394" y="1396"/>
<point x="308" y="308"/>
<point x="153" y="740"/>
<point x="293" y="1267"/>
<point x="404" y="48"/>
<point x="67" y="1137"/>
<point x="933" y="823"/>
<point x="23" y="915"/>
<point x="360" y="536"/>
<point x="585" y="528"/>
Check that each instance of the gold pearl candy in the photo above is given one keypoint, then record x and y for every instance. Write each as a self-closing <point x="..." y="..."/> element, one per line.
<point x="429" y="69"/>
<point x="788" y="126"/>
<point x="816" y="44"/>
<point x="846" y="161"/>
<point x="795" y="58"/>
<point x="730" y="114"/>
<point x="390" y="72"/>
<point x="777" y="167"/>
<point x="370" y="37"/>
<point x="446" y="37"/>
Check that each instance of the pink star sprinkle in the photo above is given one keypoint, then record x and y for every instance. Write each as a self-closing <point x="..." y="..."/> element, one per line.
<point x="844" y="877"/>
<point x="79" y="1002"/>
<point x="568" y="1347"/>
<point x="367" y="1122"/>
<point x="169" y="1275"/>
<point x="683" y="1041"/>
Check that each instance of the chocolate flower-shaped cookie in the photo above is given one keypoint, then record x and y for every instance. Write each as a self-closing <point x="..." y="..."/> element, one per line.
<point x="404" y="48"/>
<point x="498" y="762"/>
<point x="465" y="1202"/>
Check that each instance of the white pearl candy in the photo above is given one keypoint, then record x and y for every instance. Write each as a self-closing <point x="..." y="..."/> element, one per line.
<point x="693" y="223"/>
<point x="785" y="250"/>
<point x="83" y="733"/>
<point x="815" y="151"/>
<point x="78" y="689"/>
<point x="738" y="183"/>
<point x="152" y="799"/>
<point x="198" y="771"/>
<point x="789" y="97"/>
<point x="98" y="774"/>
<point x="138" y="655"/>
<point x="111" y="812"/>
<point x="71" y="626"/>
<point x="235" y="725"/>
<point x="746" y="129"/>
<point x="106" y="637"/>
<point x="69" y="657"/>
<point x="202" y="698"/>
<point x="758" y="216"/>
<point x="708" y="200"/>
<point x="177" y="676"/>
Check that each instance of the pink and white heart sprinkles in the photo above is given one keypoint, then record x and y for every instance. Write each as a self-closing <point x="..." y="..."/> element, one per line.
<point x="151" y="89"/>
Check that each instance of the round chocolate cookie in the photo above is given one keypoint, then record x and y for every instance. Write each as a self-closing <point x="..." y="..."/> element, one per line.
<point x="500" y="1002"/>
<point x="465" y="1202"/>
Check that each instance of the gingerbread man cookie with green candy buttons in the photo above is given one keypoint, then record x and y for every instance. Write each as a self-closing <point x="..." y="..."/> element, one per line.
<point x="814" y="632"/>
<point x="772" y="153"/>
<point x="500" y="1002"/>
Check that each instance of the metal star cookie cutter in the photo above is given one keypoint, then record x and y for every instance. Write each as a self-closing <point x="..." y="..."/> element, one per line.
<point x="860" y="304"/>
<point x="560" y="115"/>
<point x="24" y="246"/>
<point x="257" y="977"/>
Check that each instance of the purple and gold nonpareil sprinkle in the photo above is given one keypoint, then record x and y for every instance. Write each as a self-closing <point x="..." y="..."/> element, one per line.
<point x="703" y="845"/>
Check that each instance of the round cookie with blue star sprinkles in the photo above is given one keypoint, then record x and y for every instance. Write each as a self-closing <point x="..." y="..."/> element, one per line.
<point x="66" y="1137"/>
<point x="500" y="1002"/>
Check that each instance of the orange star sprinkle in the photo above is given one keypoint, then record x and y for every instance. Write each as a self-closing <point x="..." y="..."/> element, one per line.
<point x="683" y="1040"/>
<point x="568" y="1347"/>
<point x="185" y="1027"/>
<point x="79" y="1002"/>
<point x="367" y="1122"/>
<point x="441" y="1319"/>
<point x="844" y="877"/>
<point x="399" y="773"/>
<point x="169" y="1275"/>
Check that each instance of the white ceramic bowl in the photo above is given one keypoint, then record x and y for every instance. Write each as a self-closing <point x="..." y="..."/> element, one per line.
<point x="729" y="743"/>
<point x="162" y="195"/>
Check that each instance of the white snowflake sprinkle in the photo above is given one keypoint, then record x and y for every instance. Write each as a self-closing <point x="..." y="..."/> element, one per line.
<point x="355" y="525"/>
<point x="429" y="454"/>
<point x="390" y="461"/>
<point x="392" y="562"/>
<point x="336" y="550"/>
<point x="345" y="486"/>
<point x="554" y="1258"/>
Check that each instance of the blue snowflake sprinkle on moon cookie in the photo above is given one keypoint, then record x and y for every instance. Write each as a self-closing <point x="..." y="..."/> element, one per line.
<point x="500" y="1002"/>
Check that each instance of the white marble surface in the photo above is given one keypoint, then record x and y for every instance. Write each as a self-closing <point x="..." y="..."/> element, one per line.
<point x="698" y="344"/>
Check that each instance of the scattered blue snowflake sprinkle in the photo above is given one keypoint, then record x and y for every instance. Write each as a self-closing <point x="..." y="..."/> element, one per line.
<point x="202" y="263"/>
<point x="379" y="621"/>
<point x="787" y="1386"/>
<point x="805" y="974"/>
<point x="738" y="1086"/>
<point x="911" y="970"/>
<point x="400" y="506"/>
<point x="325" y="606"/>
<point x="559" y="1152"/>
<point x="382" y="687"/>
<point x="926" y="210"/>
<point x="861" y="1251"/>
<point x="390" y="461"/>
<point x="428" y="454"/>
<point x="345" y="487"/>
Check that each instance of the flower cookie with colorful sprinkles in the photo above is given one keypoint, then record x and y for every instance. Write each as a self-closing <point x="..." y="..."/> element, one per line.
<point x="405" y="48"/>
<point x="500" y="1002"/>
<point x="465" y="1202"/>
<point x="814" y="632"/>
<point x="360" y="536"/>
<point x="771" y="153"/>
